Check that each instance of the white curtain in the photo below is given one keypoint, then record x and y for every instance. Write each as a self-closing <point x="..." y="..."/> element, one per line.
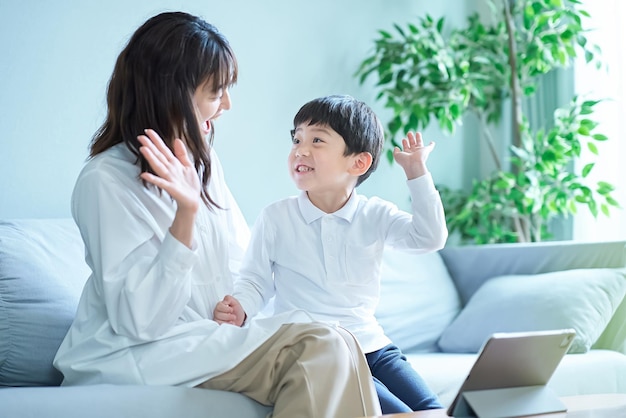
<point x="609" y="32"/>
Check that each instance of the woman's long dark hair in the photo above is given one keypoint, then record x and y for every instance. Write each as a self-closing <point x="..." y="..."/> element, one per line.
<point x="153" y="82"/>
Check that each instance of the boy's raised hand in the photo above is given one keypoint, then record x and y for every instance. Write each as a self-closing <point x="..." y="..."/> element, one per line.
<point x="229" y="311"/>
<point x="412" y="158"/>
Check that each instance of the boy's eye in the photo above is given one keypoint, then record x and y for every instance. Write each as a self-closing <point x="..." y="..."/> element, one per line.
<point x="295" y="140"/>
<point x="317" y="140"/>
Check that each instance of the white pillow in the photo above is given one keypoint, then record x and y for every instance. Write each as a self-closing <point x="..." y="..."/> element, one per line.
<point x="614" y="335"/>
<point x="418" y="299"/>
<point x="583" y="299"/>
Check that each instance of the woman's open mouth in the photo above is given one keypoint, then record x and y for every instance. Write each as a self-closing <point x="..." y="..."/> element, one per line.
<point x="206" y="127"/>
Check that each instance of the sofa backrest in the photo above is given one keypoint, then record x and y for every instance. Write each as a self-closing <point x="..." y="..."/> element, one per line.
<point x="42" y="273"/>
<point x="471" y="266"/>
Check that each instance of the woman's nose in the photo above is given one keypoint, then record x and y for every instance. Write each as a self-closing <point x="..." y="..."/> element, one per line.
<point x="225" y="100"/>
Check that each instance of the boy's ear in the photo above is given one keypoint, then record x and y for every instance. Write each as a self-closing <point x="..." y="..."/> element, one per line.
<point x="362" y="162"/>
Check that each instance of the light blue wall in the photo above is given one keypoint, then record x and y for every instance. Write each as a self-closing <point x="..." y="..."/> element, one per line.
<point x="56" y="58"/>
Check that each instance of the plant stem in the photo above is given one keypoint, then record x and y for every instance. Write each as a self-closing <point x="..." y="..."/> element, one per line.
<point x="537" y="229"/>
<point x="522" y="226"/>
<point x="489" y="138"/>
<point x="516" y="96"/>
<point x="519" y="229"/>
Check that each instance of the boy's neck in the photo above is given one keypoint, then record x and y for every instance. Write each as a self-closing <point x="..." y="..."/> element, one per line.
<point x="330" y="202"/>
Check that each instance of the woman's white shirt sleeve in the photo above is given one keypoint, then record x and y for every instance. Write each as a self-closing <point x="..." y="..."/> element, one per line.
<point x="144" y="269"/>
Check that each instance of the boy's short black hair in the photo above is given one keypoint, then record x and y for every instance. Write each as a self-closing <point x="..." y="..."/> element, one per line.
<point x="355" y="121"/>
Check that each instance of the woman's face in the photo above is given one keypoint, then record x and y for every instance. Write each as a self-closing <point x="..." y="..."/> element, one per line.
<point x="209" y="104"/>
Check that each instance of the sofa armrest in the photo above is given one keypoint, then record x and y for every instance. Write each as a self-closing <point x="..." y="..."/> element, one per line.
<point x="471" y="266"/>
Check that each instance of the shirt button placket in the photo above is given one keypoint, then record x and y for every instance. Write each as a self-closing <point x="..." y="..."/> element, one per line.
<point x="329" y="243"/>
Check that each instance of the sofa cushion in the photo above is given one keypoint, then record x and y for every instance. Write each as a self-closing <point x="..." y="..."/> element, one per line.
<point x="42" y="273"/>
<point x="614" y="335"/>
<point x="125" y="401"/>
<point x="418" y="299"/>
<point x="583" y="299"/>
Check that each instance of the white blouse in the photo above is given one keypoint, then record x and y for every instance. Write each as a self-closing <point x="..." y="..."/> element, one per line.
<point x="145" y="315"/>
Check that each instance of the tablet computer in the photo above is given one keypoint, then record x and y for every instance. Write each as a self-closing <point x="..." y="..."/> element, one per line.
<point x="516" y="359"/>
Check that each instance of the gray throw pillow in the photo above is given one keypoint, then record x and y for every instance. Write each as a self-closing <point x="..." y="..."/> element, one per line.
<point x="42" y="273"/>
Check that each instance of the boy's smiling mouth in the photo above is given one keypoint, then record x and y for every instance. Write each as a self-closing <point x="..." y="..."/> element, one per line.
<point x="303" y="168"/>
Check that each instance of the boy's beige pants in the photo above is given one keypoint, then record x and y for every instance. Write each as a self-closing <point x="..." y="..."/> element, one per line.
<point x="306" y="371"/>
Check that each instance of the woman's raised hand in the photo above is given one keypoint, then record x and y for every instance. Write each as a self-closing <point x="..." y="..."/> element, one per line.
<point x="175" y="174"/>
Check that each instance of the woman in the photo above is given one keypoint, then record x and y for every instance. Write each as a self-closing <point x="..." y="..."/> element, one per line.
<point x="162" y="234"/>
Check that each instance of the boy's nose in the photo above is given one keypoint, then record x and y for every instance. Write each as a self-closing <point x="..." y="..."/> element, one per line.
<point x="301" y="152"/>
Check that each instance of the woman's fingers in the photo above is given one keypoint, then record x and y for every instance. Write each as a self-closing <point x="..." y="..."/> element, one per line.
<point x="158" y="143"/>
<point x="151" y="178"/>
<point x="180" y="151"/>
<point x="159" y="156"/>
<point x="153" y="156"/>
<point x="172" y="172"/>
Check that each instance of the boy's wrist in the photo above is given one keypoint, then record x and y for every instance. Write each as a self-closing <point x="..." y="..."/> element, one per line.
<point x="414" y="171"/>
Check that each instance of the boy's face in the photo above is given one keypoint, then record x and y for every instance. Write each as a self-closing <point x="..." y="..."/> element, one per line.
<point x="317" y="162"/>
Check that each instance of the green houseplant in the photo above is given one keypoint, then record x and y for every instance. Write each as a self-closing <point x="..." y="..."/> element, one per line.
<point x="425" y="73"/>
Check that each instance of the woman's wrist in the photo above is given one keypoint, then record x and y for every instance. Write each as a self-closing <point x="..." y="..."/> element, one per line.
<point x="182" y="226"/>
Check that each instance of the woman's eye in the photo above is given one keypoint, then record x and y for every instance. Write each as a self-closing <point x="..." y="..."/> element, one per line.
<point x="217" y="95"/>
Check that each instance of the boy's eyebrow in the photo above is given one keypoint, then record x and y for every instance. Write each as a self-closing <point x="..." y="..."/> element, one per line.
<point x="293" y="131"/>
<point x="320" y="128"/>
<point x="313" y="128"/>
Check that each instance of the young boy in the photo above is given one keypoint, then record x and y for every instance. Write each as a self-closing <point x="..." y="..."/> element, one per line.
<point x="321" y="251"/>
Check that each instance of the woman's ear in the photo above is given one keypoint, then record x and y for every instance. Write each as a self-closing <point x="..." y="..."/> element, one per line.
<point x="362" y="162"/>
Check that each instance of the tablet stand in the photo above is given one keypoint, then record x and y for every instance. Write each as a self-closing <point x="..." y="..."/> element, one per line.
<point x="508" y="402"/>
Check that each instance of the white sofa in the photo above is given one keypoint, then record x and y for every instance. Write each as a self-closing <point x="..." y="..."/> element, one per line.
<point x="440" y="308"/>
<point x="436" y="307"/>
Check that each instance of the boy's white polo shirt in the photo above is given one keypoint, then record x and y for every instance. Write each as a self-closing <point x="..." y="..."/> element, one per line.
<point x="329" y="264"/>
